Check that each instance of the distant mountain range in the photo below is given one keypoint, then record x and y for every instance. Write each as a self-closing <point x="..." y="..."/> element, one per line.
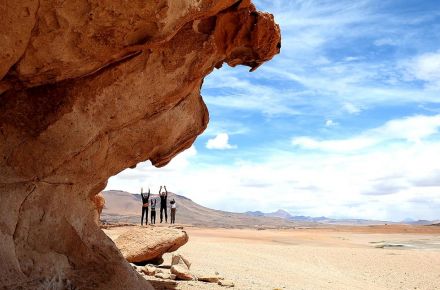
<point x="122" y="206"/>
<point x="125" y="207"/>
<point x="325" y="220"/>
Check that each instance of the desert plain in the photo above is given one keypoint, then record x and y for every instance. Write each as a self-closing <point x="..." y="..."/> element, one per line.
<point x="329" y="257"/>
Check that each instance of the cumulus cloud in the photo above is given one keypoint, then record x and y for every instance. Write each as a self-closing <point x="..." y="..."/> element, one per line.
<point x="426" y="67"/>
<point x="351" y="108"/>
<point x="362" y="185"/>
<point x="343" y="145"/>
<point x="145" y="175"/>
<point x="330" y="123"/>
<point x="411" y="129"/>
<point x="220" y="142"/>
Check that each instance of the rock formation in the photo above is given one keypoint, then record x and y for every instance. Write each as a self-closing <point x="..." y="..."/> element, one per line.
<point x="145" y="244"/>
<point x="99" y="201"/>
<point x="87" y="89"/>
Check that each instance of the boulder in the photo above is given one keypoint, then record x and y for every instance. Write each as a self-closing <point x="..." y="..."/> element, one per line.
<point x="89" y="88"/>
<point x="144" y="244"/>
<point x="182" y="272"/>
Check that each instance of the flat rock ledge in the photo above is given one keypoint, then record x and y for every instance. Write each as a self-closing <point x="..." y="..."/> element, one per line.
<point x="144" y="244"/>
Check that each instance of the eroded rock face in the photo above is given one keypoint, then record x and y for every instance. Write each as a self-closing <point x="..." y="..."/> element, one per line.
<point x="87" y="89"/>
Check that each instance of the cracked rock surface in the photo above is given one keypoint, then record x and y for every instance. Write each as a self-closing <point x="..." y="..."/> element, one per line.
<point x="87" y="89"/>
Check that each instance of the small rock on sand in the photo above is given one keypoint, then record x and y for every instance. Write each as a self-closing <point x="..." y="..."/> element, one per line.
<point x="162" y="275"/>
<point x="181" y="272"/>
<point x="207" y="278"/>
<point x="226" y="283"/>
<point x="149" y="270"/>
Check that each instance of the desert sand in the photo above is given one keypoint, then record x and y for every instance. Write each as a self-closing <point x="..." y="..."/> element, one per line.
<point x="375" y="257"/>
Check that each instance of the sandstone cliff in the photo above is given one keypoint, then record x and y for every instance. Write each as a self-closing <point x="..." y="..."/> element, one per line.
<point x="87" y="89"/>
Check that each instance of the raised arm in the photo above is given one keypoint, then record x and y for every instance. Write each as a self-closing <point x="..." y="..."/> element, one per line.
<point x="148" y="195"/>
<point x="166" y="192"/>
<point x="160" y="190"/>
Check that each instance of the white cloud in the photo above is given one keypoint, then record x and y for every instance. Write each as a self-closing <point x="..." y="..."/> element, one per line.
<point x="426" y="67"/>
<point x="311" y="74"/>
<point x="330" y="123"/>
<point x="243" y="92"/>
<point x="216" y="127"/>
<point x="220" y="142"/>
<point x="385" y="41"/>
<point x="362" y="185"/>
<point x="352" y="109"/>
<point x="351" y="58"/>
<point x="343" y="145"/>
<point x="145" y="175"/>
<point x="410" y="129"/>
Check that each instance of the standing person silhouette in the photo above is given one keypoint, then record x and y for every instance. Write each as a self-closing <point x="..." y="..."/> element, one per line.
<point x="173" y="211"/>
<point x="145" y="202"/>
<point x="163" y="203"/>
<point x="153" y="211"/>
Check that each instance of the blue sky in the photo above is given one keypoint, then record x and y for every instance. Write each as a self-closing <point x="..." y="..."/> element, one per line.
<point x="343" y="123"/>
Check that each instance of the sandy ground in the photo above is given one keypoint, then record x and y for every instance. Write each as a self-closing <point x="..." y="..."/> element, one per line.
<point x="381" y="257"/>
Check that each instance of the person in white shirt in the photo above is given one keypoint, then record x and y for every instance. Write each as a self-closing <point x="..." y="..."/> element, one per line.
<point x="173" y="211"/>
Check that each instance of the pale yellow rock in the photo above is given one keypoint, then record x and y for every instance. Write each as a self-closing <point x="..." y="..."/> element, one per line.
<point x="141" y="244"/>
<point x="208" y="278"/>
<point x="162" y="275"/>
<point x="226" y="283"/>
<point x="149" y="270"/>
<point x="181" y="272"/>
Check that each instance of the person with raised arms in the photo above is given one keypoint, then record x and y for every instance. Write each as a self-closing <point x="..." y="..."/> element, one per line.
<point x="145" y="201"/>
<point x="163" y="203"/>
<point x="173" y="211"/>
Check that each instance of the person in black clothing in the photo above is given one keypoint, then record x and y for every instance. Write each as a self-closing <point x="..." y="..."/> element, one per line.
<point x="145" y="201"/>
<point x="153" y="211"/>
<point x="163" y="203"/>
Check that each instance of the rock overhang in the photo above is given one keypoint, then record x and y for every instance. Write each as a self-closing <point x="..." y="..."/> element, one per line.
<point x="87" y="89"/>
